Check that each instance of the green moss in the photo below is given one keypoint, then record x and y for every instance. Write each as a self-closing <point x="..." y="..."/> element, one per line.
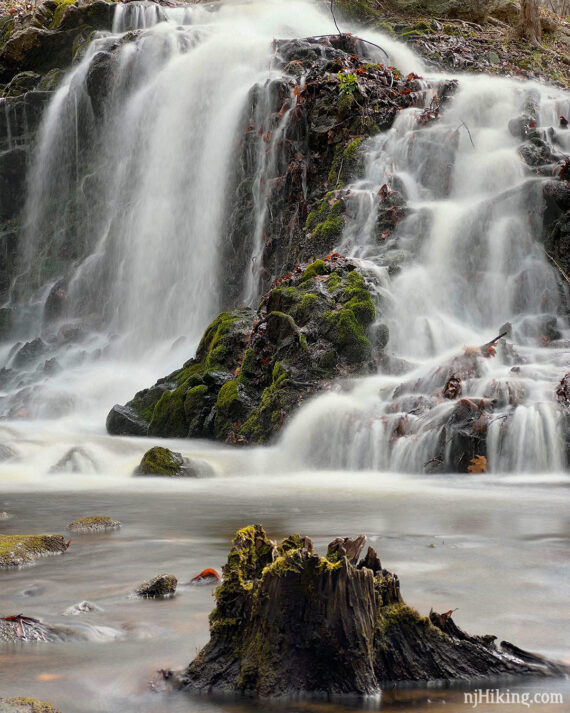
<point x="266" y="419"/>
<point x="278" y="372"/>
<point x="168" y="416"/>
<point x="194" y="399"/>
<point x="333" y="282"/>
<point x="160" y="461"/>
<point x="248" y="365"/>
<point x="315" y="268"/>
<point x="330" y="230"/>
<point x="21" y="549"/>
<point x="212" y="350"/>
<point x="60" y="9"/>
<point x="345" y="162"/>
<point x="401" y="615"/>
<point x="345" y="331"/>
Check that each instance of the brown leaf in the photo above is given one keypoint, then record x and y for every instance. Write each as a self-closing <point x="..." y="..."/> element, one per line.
<point x="478" y="465"/>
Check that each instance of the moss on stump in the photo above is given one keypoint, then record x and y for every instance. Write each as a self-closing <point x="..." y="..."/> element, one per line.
<point x="288" y="621"/>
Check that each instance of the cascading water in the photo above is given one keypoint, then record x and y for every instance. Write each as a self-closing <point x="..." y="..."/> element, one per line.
<point x="129" y="205"/>
<point x="461" y="264"/>
<point x="137" y="233"/>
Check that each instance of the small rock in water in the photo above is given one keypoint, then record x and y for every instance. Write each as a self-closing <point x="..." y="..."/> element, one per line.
<point x="4" y="516"/>
<point x="207" y="576"/>
<point x="76" y="460"/>
<point x="163" y="461"/>
<point x="162" y="586"/>
<point x="94" y="523"/>
<point x="33" y="590"/>
<point x="81" y="608"/>
<point x="25" y="705"/>
<point x="16" y="550"/>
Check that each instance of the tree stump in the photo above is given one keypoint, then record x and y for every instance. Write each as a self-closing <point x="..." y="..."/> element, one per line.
<point x="289" y="622"/>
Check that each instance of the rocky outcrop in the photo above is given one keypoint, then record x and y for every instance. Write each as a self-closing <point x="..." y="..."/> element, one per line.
<point x="16" y="550"/>
<point x="289" y="621"/>
<point x="252" y="369"/>
<point x="336" y="94"/>
<point x="47" y="40"/>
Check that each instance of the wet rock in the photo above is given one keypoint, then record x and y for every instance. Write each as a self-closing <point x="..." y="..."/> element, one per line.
<point x="29" y="353"/>
<point x="124" y="421"/>
<point x="76" y="460"/>
<point x="7" y="453"/>
<point x="251" y="370"/>
<point x="22" y="704"/>
<point x="17" y="550"/>
<point x="93" y="523"/>
<point x="356" y="633"/>
<point x="83" y="607"/>
<point x="12" y="182"/>
<point x="163" y="586"/>
<point x="161" y="461"/>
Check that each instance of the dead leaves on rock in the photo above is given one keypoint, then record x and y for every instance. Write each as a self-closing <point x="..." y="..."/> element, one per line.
<point x="478" y="465"/>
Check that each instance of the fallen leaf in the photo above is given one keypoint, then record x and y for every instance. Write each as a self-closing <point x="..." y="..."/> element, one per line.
<point x="478" y="465"/>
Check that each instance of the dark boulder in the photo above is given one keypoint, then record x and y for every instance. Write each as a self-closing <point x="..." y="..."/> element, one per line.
<point x="123" y="421"/>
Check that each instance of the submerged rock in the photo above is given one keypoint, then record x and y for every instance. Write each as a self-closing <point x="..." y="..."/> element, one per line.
<point x="162" y="586"/>
<point x="289" y="621"/>
<point x="252" y="369"/>
<point x="21" y="704"/>
<point x="16" y="550"/>
<point x="83" y="607"/>
<point x="94" y="523"/>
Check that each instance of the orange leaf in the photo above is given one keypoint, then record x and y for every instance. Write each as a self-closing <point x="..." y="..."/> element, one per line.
<point x="478" y="465"/>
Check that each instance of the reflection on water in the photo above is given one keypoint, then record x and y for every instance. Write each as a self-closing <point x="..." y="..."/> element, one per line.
<point x="500" y="555"/>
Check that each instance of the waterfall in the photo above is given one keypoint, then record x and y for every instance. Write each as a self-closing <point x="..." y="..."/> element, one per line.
<point x="131" y="204"/>
<point x="462" y="263"/>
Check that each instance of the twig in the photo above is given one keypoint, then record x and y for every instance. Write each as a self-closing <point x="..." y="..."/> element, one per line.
<point x="467" y="128"/>
<point x="558" y="267"/>
<point x="334" y="19"/>
<point x="352" y="37"/>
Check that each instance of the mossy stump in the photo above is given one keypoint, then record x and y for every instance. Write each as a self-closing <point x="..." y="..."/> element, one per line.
<point x="17" y="550"/>
<point x="290" y="622"/>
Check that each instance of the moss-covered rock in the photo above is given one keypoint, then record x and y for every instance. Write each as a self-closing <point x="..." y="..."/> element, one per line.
<point x="20" y="704"/>
<point x="163" y="586"/>
<point x="251" y="370"/>
<point x="162" y="461"/>
<point x="17" y="550"/>
<point x="93" y="523"/>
